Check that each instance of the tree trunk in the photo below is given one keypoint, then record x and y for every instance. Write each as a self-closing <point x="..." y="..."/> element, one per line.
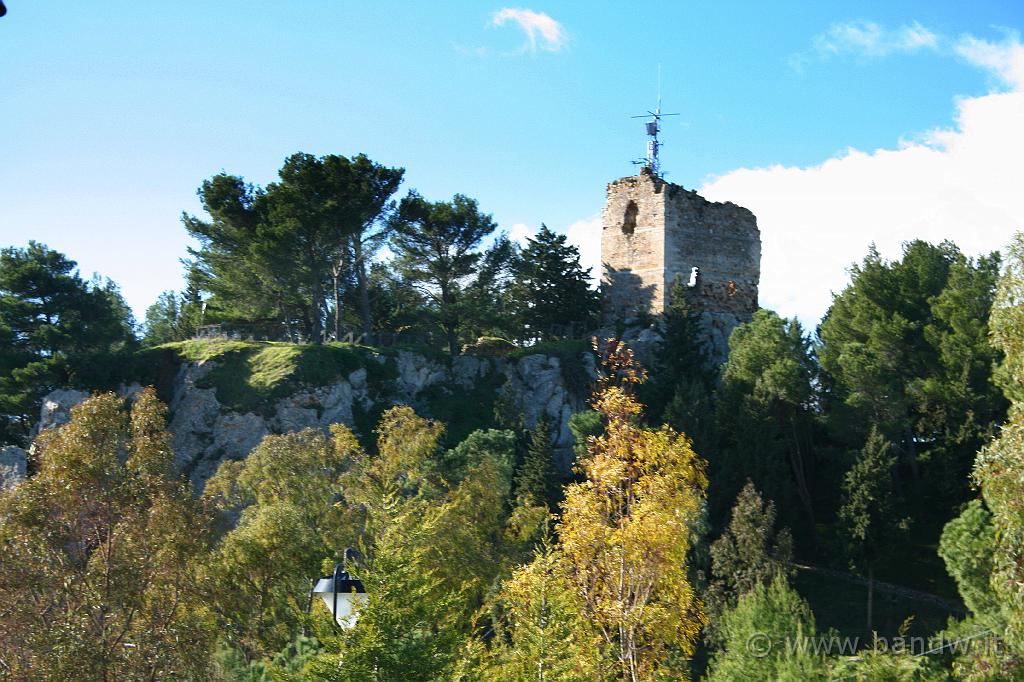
<point x="316" y="329"/>
<point x="335" y="273"/>
<point x="915" y="470"/>
<point x="449" y="318"/>
<point x="799" y="472"/>
<point x="871" y="597"/>
<point x="364" y="290"/>
<point x="451" y="331"/>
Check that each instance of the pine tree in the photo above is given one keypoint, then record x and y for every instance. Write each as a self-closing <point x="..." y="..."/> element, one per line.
<point x="537" y="480"/>
<point x="436" y="249"/>
<point x="273" y="254"/>
<point x="681" y="391"/>
<point x="764" y="417"/>
<point x="967" y="547"/>
<point x="56" y="330"/>
<point x="552" y="292"/>
<point x="762" y="638"/>
<point x="904" y="347"/>
<point x="750" y="552"/>
<point x="868" y="517"/>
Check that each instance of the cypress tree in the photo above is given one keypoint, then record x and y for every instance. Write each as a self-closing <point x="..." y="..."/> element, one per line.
<point x="537" y="480"/>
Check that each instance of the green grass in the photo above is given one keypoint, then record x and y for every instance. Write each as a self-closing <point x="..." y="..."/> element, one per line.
<point x="250" y="376"/>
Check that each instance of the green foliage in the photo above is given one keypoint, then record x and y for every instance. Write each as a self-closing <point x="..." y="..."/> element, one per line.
<point x="396" y="306"/>
<point x="976" y="650"/>
<point x="435" y="247"/>
<point x="486" y="305"/>
<point x="683" y="383"/>
<point x="967" y="546"/>
<point x="474" y="449"/>
<point x="463" y="409"/>
<point x="883" y="666"/>
<point x="868" y="517"/>
<point x="749" y="553"/>
<point x="537" y="480"/>
<point x="274" y="254"/>
<point x="97" y="572"/>
<point x="257" y="577"/>
<point x="763" y="638"/>
<point x="999" y="468"/>
<point x="584" y="426"/>
<point x="489" y="347"/>
<point x="56" y="331"/>
<point x="231" y="665"/>
<point x="404" y="632"/>
<point x="551" y="290"/>
<point x="433" y="548"/>
<point x="905" y="349"/>
<point x="171" y="318"/>
<point x="539" y="634"/>
<point x="764" y="415"/>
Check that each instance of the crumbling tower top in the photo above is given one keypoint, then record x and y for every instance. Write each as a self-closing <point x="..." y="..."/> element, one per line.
<point x="654" y="231"/>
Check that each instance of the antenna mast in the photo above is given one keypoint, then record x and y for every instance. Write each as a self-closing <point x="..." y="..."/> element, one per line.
<point x="653" y="127"/>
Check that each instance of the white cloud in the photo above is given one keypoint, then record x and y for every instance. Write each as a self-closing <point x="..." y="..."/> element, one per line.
<point x="866" y="38"/>
<point x="519" y="232"/>
<point x="542" y="32"/>
<point x="960" y="183"/>
<point x="1005" y="59"/>
<point x="585" y="235"/>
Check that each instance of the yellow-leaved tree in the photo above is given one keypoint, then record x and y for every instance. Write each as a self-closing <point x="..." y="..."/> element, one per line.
<point x="98" y="553"/>
<point x="611" y="599"/>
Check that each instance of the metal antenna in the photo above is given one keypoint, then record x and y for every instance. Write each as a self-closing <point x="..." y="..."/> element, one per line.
<point x="653" y="127"/>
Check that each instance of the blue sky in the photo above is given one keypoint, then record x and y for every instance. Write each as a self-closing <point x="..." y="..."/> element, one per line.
<point x="113" y="113"/>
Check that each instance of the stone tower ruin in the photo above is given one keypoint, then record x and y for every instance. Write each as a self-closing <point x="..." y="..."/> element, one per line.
<point x="654" y="231"/>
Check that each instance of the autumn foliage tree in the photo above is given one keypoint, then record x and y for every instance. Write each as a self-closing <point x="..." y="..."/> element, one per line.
<point x="622" y="548"/>
<point x="96" y="569"/>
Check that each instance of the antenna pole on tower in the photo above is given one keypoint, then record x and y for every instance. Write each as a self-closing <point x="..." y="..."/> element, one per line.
<point x="653" y="127"/>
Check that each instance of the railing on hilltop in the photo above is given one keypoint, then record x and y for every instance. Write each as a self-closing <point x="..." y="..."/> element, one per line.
<point x="281" y="332"/>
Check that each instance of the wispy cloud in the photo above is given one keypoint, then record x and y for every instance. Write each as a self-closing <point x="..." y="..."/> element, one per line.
<point x="542" y="32"/>
<point x="868" y="39"/>
<point x="1004" y="59"/>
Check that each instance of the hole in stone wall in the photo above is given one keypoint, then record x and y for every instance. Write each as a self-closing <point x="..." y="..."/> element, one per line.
<point x="629" y="220"/>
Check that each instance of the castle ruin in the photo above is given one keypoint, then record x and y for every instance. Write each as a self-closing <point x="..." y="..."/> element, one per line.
<point x="654" y="231"/>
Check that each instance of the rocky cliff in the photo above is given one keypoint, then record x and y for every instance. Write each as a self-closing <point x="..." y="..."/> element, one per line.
<point x="212" y="418"/>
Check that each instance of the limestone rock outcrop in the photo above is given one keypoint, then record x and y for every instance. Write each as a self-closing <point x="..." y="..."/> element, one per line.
<point x="205" y="433"/>
<point x="13" y="466"/>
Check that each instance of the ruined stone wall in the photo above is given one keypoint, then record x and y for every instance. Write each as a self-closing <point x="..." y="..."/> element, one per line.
<point x="723" y="242"/>
<point x="676" y="230"/>
<point x="633" y="255"/>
